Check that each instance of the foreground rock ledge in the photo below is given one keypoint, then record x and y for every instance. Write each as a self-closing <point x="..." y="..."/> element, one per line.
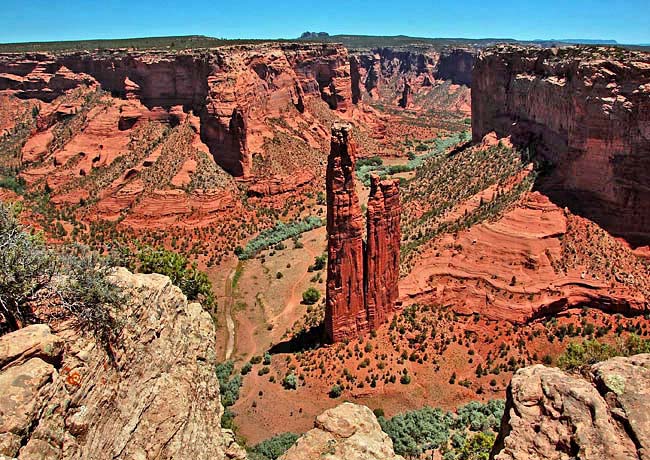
<point x="61" y="398"/>
<point x="346" y="432"/>
<point x="554" y="415"/>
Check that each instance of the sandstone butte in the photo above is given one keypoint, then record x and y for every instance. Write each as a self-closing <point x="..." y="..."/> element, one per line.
<point x="362" y="279"/>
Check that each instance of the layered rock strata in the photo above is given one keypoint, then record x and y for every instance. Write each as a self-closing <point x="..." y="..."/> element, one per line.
<point x="233" y="90"/>
<point x="382" y="249"/>
<point x="553" y="415"/>
<point x="586" y="112"/>
<point x="361" y="282"/>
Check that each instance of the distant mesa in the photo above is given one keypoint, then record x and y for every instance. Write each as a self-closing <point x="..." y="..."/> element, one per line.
<point x="308" y="35"/>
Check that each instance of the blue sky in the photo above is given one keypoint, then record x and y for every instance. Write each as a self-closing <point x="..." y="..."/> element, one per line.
<point x="627" y="21"/>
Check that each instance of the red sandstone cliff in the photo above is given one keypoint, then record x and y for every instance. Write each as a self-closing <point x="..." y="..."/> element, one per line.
<point x="234" y="90"/>
<point x="422" y="66"/>
<point x="361" y="281"/>
<point x="584" y="110"/>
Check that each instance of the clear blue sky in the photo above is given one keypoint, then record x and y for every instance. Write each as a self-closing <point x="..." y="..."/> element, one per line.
<point x="627" y="21"/>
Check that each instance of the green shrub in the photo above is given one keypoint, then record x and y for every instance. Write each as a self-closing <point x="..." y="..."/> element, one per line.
<point x="310" y="296"/>
<point x="228" y="387"/>
<point x="580" y="355"/>
<point x="273" y="448"/>
<point x="193" y="282"/>
<point x="282" y="231"/>
<point x="76" y="285"/>
<point x="335" y="391"/>
<point x="290" y="382"/>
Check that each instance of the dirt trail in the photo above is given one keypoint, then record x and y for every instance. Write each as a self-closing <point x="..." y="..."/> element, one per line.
<point x="230" y="323"/>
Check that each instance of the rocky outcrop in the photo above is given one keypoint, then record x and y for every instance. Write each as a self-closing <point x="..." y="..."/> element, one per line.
<point x="346" y="432"/>
<point x="361" y="282"/>
<point x="345" y="315"/>
<point x="234" y="90"/>
<point x="586" y="112"/>
<point x="63" y="399"/>
<point x="554" y="415"/>
<point x="382" y="250"/>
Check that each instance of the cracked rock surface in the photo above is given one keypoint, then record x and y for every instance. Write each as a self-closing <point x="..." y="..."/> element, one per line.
<point x="62" y="398"/>
<point x="604" y="414"/>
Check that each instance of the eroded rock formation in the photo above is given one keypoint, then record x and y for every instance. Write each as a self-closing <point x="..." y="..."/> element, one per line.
<point x="382" y="249"/>
<point x="422" y="66"/>
<point x="346" y="314"/>
<point x="234" y="90"/>
<point x="586" y="111"/>
<point x="346" y="432"/>
<point x="552" y="415"/>
<point x="361" y="282"/>
<point x="61" y="398"/>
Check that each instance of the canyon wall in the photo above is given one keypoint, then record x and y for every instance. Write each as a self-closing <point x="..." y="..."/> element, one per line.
<point x="416" y="67"/>
<point x="586" y="112"/>
<point x="234" y="90"/>
<point x="361" y="281"/>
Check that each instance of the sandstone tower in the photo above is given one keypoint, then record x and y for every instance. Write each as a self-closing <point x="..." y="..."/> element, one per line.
<point x="361" y="278"/>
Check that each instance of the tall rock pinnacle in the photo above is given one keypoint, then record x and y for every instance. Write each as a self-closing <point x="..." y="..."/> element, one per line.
<point x="361" y="282"/>
<point x="346" y="314"/>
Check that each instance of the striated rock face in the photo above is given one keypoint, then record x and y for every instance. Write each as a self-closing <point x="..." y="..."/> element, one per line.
<point x="345" y="304"/>
<point x="361" y="282"/>
<point x="421" y="66"/>
<point x="456" y="65"/>
<point x="346" y="432"/>
<point x="554" y="415"/>
<point x="586" y="111"/>
<point x="233" y="90"/>
<point x="382" y="250"/>
<point x="62" y="399"/>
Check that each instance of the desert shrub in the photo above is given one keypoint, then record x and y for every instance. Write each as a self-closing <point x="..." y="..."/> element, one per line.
<point x="282" y="231"/>
<point x="370" y="161"/>
<point x="89" y="296"/>
<point x="580" y="355"/>
<point x="417" y="431"/>
<point x="335" y="391"/>
<point x="193" y="282"/>
<point x="310" y="296"/>
<point x="290" y="382"/>
<point x="273" y="448"/>
<point x="246" y="368"/>
<point x="27" y="266"/>
<point x="228" y="387"/>
<point x="477" y="447"/>
<point x="267" y="359"/>
<point x="319" y="263"/>
<point x="76" y="284"/>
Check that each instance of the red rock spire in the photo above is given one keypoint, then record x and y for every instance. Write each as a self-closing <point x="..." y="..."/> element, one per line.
<point x="345" y="304"/>
<point x="361" y="285"/>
